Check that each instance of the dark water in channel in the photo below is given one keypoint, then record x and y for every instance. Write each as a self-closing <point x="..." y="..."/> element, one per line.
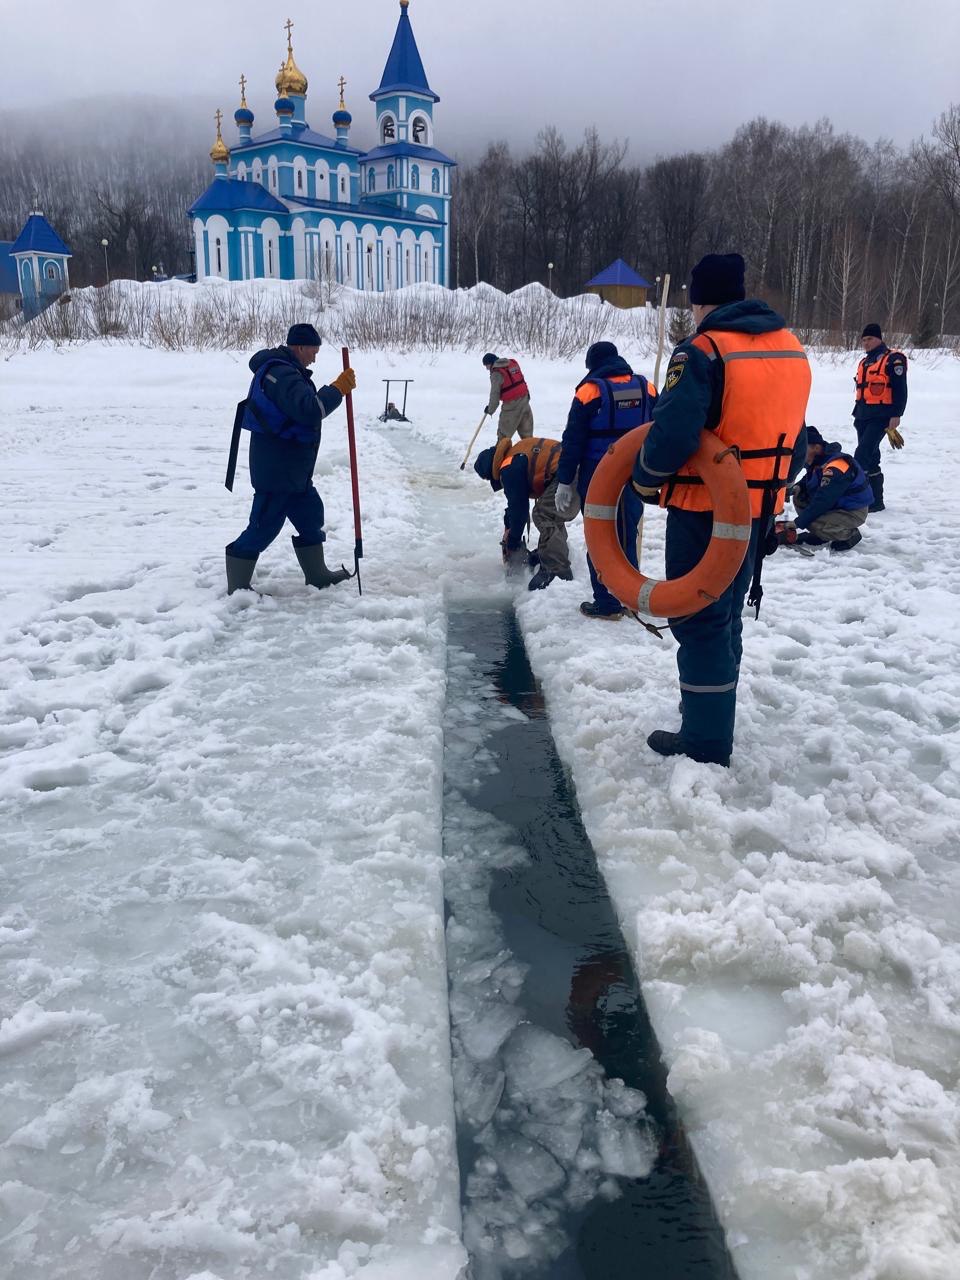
<point x="556" y="918"/>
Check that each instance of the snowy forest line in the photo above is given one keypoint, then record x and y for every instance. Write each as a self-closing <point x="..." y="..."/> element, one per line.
<point x="834" y="231"/>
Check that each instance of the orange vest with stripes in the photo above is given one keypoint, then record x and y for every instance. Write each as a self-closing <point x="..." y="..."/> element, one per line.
<point x="873" y="379"/>
<point x="766" y="384"/>
<point x="543" y="458"/>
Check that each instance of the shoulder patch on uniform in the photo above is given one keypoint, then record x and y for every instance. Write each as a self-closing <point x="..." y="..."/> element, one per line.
<point x="674" y="373"/>
<point x="679" y="356"/>
<point x="899" y="368"/>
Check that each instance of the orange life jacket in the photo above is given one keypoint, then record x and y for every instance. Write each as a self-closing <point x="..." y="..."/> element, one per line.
<point x="543" y="459"/>
<point x="873" y="379"/>
<point x="766" y="383"/>
<point x="513" y="385"/>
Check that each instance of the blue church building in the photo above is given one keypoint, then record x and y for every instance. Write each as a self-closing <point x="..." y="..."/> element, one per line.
<point x="293" y="204"/>
<point x="35" y="266"/>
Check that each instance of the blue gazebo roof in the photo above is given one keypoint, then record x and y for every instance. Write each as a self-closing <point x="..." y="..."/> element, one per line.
<point x="404" y="71"/>
<point x="38" y="236"/>
<point x="619" y="273"/>
<point x="9" y="281"/>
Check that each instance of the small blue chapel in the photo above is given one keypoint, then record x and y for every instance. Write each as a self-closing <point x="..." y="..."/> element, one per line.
<point x="35" y="266"/>
<point x="295" y="204"/>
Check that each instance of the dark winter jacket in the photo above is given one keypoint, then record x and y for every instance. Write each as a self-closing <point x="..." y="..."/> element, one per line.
<point x="578" y="434"/>
<point x="284" y="443"/>
<point x="515" y="480"/>
<point x="836" y="483"/>
<point x="693" y="396"/>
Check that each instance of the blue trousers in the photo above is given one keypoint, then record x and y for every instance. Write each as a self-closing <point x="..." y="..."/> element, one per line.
<point x="869" y="438"/>
<point x="268" y="515"/>
<point x="711" y="641"/>
<point x="628" y="522"/>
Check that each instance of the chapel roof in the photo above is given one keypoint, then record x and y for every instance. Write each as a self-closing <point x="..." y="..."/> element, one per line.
<point x="234" y="193"/>
<point x="407" y="149"/>
<point x="38" y="236"/>
<point x="619" y="273"/>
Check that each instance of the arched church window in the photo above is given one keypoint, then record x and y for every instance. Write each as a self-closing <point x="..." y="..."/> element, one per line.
<point x="391" y="176"/>
<point x="426" y="266"/>
<point x="299" y="179"/>
<point x="389" y="273"/>
<point x="242" y="171"/>
<point x="371" y="180"/>
<point x="51" y="271"/>
<point x="328" y="258"/>
<point x="388" y="132"/>
<point x="219" y="256"/>
<point x="269" y="257"/>
<point x="408" y="266"/>
<point x="415" y="177"/>
<point x="343" y="186"/>
<point x="257" y="171"/>
<point x="435" y="180"/>
<point x="349" y="273"/>
<point x="419" y="129"/>
<point x="370" y="265"/>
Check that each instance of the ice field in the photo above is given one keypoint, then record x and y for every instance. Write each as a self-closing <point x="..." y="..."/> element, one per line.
<point x="224" y="1041"/>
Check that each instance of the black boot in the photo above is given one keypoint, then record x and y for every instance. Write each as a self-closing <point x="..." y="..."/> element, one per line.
<point x="239" y="573"/>
<point x="542" y="578"/>
<point x="847" y="544"/>
<point x="314" y="566"/>
<point x="876" y="484"/>
<point x="590" y="609"/>
<point x="672" y="744"/>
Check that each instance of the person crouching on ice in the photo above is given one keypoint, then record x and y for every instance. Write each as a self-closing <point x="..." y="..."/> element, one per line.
<point x="832" y="498"/>
<point x="284" y="414"/>
<point x="525" y="470"/>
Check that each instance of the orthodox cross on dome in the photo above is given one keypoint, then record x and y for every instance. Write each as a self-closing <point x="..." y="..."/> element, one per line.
<point x="243" y="90"/>
<point x="342" y="84"/>
<point x="218" y="116"/>
<point x="289" y="27"/>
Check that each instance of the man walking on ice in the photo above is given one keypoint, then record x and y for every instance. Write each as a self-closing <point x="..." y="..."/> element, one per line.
<point x="508" y="388"/>
<point x="284" y="413"/>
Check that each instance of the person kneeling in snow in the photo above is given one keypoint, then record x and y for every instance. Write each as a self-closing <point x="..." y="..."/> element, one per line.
<point x="831" y="498"/>
<point x="524" y="470"/>
<point x="283" y="413"/>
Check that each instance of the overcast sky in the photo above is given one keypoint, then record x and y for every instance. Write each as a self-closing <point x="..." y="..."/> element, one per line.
<point x="665" y="76"/>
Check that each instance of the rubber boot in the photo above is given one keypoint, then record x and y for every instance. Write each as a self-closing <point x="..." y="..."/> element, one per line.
<point x="666" y="743"/>
<point x="876" y="484"/>
<point x="847" y="544"/>
<point x="239" y="573"/>
<point x="315" y="571"/>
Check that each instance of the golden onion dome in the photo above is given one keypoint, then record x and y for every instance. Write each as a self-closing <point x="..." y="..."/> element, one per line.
<point x="290" y="79"/>
<point x="219" y="152"/>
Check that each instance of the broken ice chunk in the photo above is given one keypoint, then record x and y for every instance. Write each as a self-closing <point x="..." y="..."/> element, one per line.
<point x="531" y="1171"/>
<point x="536" y="1059"/>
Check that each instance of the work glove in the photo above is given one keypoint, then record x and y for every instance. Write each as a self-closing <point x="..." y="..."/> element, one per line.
<point x="895" y="438"/>
<point x="786" y="532"/>
<point x="649" y="493"/>
<point x="346" y="382"/>
<point x="514" y="558"/>
<point x="566" y="501"/>
<point x="487" y="411"/>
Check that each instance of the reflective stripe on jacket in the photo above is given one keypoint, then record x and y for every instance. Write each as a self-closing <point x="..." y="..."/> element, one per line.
<point x="512" y="384"/>
<point x="766" y="384"/>
<point x="542" y="456"/>
<point x="622" y="403"/>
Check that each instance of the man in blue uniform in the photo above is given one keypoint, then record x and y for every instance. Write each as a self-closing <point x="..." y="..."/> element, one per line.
<point x="744" y="377"/>
<point x="610" y="401"/>
<point x="832" y="498"/>
<point x="881" y="398"/>
<point x="284" y="413"/>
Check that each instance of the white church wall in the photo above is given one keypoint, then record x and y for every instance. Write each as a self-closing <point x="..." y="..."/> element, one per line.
<point x="258" y="171"/>
<point x="427" y="269"/>
<point x="390" y="244"/>
<point x="408" y="257"/>
<point x="371" y="273"/>
<point x="297" y="230"/>
<point x="321" y="181"/>
<point x="300" y="176"/>
<point x="218" y="244"/>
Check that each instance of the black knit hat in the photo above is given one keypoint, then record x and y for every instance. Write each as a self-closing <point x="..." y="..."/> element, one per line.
<point x="599" y="354"/>
<point x="872" y="331"/>
<point x="484" y="463"/>
<point x="814" y="437"/>
<point x="490" y="358"/>
<point x="718" y="278"/>
<point x="303" y="335"/>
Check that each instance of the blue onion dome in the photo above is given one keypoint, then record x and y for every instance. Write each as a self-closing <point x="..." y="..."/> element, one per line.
<point x="283" y="107"/>
<point x="342" y="117"/>
<point x="243" y="116"/>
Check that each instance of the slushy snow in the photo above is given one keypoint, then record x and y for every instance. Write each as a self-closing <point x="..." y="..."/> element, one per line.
<point x="224" y="1028"/>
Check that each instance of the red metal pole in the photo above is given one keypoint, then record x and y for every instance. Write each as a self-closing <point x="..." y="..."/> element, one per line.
<point x="354" y="481"/>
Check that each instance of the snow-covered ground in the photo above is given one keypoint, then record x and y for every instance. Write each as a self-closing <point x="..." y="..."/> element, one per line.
<point x="224" y="1034"/>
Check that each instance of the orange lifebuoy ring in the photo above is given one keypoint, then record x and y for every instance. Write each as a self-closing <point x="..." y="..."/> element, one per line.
<point x="679" y="597"/>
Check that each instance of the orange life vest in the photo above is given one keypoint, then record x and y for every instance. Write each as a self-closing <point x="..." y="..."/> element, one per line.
<point x="766" y="384"/>
<point x="873" y="379"/>
<point x="513" y="385"/>
<point x="543" y="459"/>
